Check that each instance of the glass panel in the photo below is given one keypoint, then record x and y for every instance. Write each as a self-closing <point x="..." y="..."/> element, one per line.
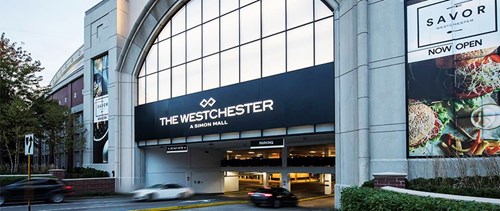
<point x="228" y="6"/>
<point x="193" y="9"/>
<point x="179" y="81"/>
<point x="141" y="93"/>
<point x="152" y="60"/>
<point x="273" y="55"/>
<point x="194" y="43"/>
<point x="250" y="23"/>
<point x="321" y="10"/>
<point x="229" y="67"/>
<point x="229" y="30"/>
<point x="194" y="76"/>
<point x="273" y="16"/>
<point x="299" y="12"/>
<point x="179" y="48"/>
<point x="324" y="41"/>
<point x="179" y="21"/>
<point x="164" y="54"/>
<point x="210" y="9"/>
<point x="300" y="47"/>
<point x="245" y="2"/>
<point x="211" y="37"/>
<point x="250" y="61"/>
<point x="164" y="85"/>
<point x="165" y="32"/>
<point x="211" y="72"/>
<point x="151" y="88"/>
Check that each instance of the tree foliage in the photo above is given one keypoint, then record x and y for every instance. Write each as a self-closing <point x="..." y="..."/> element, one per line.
<point x="25" y="107"/>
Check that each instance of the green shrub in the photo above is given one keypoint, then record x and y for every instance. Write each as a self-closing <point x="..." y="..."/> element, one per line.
<point x="375" y="199"/>
<point x="369" y="184"/>
<point x="80" y="172"/>
<point x="9" y="180"/>
<point x="467" y="186"/>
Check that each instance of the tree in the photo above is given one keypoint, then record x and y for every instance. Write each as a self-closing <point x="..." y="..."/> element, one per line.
<point x="18" y="86"/>
<point x="25" y="107"/>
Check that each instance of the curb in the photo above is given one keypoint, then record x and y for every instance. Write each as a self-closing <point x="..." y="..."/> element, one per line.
<point x="317" y="197"/>
<point x="216" y="204"/>
<point x="193" y="206"/>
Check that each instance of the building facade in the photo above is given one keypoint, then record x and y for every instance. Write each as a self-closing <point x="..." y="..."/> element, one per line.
<point x="202" y="93"/>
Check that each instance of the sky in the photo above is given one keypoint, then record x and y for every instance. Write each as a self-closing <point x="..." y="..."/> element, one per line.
<point x="51" y="30"/>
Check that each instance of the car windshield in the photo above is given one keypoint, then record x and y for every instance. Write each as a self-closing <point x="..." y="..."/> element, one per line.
<point x="156" y="186"/>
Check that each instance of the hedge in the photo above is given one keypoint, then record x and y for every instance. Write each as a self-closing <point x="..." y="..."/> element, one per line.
<point x="80" y="172"/>
<point x="356" y="198"/>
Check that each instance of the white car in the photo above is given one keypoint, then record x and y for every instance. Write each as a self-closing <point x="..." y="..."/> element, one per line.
<point x="162" y="191"/>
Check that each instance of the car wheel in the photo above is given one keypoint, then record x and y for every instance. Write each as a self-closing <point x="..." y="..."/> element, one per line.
<point x="57" y="198"/>
<point x="152" y="197"/>
<point x="295" y="204"/>
<point x="2" y="200"/>
<point x="276" y="204"/>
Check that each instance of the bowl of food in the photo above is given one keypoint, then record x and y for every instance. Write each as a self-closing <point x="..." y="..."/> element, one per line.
<point x="486" y="116"/>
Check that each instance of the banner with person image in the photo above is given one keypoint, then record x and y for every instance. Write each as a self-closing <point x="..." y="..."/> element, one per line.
<point x="453" y="78"/>
<point x="100" y="91"/>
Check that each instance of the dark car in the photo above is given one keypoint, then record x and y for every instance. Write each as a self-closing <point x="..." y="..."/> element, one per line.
<point x="275" y="197"/>
<point x="38" y="188"/>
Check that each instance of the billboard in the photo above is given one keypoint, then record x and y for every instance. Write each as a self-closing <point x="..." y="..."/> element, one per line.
<point x="453" y="78"/>
<point x="302" y="97"/>
<point x="100" y="91"/>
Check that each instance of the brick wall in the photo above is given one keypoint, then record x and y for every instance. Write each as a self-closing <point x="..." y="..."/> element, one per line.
<point x="390" y="179"/>
<point x="91" y="185"/>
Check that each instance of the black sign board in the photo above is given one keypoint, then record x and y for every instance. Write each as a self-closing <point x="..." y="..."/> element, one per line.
<point x="301" y="97"/>
<point x="177" y="149"/>
<point x="265" y="144"/>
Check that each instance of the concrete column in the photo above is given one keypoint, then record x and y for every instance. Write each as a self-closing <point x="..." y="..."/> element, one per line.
<point x="265" y="179"/>
<point x="328" y="183"/>
<point x="284" y="156"/>
<point x="285" y="180"/>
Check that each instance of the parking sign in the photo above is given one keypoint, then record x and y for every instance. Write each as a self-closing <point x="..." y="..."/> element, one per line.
<point x="29" y="144"/>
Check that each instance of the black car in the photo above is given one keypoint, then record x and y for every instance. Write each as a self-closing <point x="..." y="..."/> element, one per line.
<point x="37" y="188"/>
<point x="275" y="197"/>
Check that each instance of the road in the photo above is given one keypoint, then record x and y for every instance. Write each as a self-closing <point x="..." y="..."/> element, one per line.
<point x="124" y="203"/>
<point x="109" y="204"/>
<point x="121" y="202"/>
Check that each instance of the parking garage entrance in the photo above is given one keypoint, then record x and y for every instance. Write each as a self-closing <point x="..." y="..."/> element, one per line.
<point x="304" y="165"/>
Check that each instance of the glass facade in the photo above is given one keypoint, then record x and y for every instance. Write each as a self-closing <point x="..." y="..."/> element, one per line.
<point x="215" y="43"/>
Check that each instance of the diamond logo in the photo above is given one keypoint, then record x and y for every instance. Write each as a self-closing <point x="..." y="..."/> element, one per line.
<point x="210" y="102"/>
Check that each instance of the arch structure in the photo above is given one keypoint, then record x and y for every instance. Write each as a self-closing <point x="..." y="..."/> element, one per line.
<point x="183" y="48"/>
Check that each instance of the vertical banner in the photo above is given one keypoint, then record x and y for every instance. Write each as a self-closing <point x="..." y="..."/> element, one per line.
<point x="100" y="87"/>
<point x="453" y="78"/>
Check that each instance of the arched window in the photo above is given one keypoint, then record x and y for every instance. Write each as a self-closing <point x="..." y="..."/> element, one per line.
<point x="213" y="43"/>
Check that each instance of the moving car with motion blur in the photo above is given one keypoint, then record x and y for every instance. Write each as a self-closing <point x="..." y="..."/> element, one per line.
<point x="275" y="197"/>
<point x="37" y="188"/>
<point x="162" y="191"/>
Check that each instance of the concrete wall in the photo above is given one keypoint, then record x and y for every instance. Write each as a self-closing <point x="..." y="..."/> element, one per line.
<point x="369" y="91"/>
<point x="105" y="30"/>
<point x="198" y="168"/>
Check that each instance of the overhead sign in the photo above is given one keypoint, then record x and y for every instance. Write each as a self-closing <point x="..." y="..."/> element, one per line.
<point x="438" y="28"/>
<point x="29" y="144"/>
<point x="177" y="149"/>
<point x="266" y="144"/>
<point x="302" y="97"/>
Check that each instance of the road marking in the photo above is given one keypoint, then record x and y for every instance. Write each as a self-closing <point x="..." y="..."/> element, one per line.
<point x="194" y="201"/>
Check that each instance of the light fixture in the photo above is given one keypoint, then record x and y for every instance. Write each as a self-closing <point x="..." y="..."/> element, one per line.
<point x="229" y="151"/>
<point x="251" y="152"/>
<point x="312" y="151"/>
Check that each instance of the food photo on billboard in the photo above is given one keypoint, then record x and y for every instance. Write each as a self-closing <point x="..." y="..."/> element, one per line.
<point x="453" y="105"/>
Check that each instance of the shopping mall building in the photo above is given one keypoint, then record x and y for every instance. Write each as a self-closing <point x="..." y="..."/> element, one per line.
<point x="210" y="93"/>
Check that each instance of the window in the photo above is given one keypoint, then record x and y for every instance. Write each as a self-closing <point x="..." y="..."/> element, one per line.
<point x="208" y="44"/>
